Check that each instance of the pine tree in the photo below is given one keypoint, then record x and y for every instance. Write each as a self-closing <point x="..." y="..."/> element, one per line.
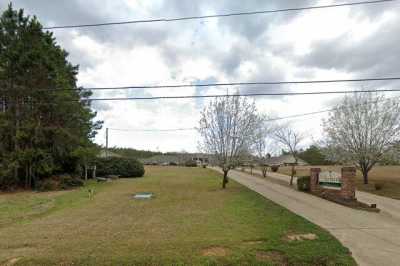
<point x="44" y="117"/>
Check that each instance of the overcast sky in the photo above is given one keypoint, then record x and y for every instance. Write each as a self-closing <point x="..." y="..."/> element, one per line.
<point x="339" y="43"/>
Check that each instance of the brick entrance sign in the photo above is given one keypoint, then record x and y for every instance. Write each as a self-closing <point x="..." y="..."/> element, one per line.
<point x="342" y="186"/>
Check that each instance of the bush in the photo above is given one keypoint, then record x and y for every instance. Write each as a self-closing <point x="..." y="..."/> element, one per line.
<point x="49" y="185"/>
<point x="303" y="183"/>
<point x="190" y="163"/>
<point x="60" y="182"/>
<point x="67" y="182"/>
<point x="123" y="167"/>
<point x="378" y="186"/>
<point x="275" y="168"/>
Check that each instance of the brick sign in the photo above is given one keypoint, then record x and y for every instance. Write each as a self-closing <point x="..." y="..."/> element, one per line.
<point x="330" y="180"/>
<point x="341" y="185"/>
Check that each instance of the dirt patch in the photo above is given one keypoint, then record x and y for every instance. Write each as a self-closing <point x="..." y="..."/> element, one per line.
<point x="301" y="237"/>
<point x="253" y="242"/>
<point x="275" y="257"/>
<point x="12" y="261"/>
<point x="215" y="252"/>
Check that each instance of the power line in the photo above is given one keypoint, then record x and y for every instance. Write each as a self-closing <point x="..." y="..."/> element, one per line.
<point x="323" y="111"/>
<point x="246" y="83"/>
<point x="259" y="83"/>
<point x="196" y="128"/>
<point x="239" y="95"/>
<point x="154" y="130"/>
<point x="301" y="115"/>
<point x="267" y="120"/>
<point x="217" y="15"/>
<point x="88" y="100"/>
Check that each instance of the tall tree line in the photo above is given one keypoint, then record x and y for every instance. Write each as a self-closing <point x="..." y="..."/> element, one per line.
<point x="45" y="127"/>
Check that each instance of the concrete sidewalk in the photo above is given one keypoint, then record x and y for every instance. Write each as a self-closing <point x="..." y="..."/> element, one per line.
<point x="373" y="238"/>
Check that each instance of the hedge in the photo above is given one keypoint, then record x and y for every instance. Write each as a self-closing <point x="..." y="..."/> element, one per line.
<point x="190" y="163"/>
<point x="275" y="168"/>
<point x="123" y="167"/>
<point x="303" y="183"/>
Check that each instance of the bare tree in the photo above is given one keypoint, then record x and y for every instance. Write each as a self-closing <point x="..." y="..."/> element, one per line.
<point x="290" y="139"/>
<point x="260" y="144"/>
<point x="363" y="130"/>
<point x="227" y="126"/>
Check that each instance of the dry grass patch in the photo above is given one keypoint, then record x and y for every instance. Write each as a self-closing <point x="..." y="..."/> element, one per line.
<point x="253" y="242"/>
<point x="274" y="257"/>
<point x="215" y="252"/>
<point x="12" y="261"/>
<point x="301" y="237"/>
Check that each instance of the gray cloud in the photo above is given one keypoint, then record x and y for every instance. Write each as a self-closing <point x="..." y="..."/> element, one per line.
<point x="375" y="56"/>
<point x="253" y="27"/>
<point x="247" y="29"/>
<point x="101" y="106"/>
<point x="239" y="40"/>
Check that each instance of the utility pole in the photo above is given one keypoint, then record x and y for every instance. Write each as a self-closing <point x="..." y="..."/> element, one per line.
<point x="106" y="142"/>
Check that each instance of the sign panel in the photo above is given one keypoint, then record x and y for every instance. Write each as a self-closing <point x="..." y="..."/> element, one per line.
<point x="330" y="179"/>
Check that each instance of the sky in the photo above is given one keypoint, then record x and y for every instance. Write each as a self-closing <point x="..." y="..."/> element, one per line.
<point x="336" y="43"/>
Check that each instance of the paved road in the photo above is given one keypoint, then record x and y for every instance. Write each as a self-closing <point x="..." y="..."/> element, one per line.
<point x="373" y="238"/>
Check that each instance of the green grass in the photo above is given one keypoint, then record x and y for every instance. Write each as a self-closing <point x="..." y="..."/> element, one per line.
<point x="23" y="207"/>
<point x="191" y="221"/>
<point x="389" y="176"/>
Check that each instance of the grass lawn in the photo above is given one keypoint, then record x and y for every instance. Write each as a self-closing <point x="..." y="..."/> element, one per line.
<point x="191" y="221"/>
<point x="389" y="176"/>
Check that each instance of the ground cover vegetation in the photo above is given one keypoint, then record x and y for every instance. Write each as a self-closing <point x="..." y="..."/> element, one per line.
<point x="190" y="221"/>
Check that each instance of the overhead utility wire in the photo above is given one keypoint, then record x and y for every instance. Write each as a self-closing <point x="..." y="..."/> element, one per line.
<point x="217" y="15"/>
<point x="290" y="82"/>
<point x="324" y="111"/>
<point x="238" y="95"/>
<point x="154" y="130"/>
<point x="246" y="83"/>
<point x="88" y="100"/>
<point x="267" y="120"/>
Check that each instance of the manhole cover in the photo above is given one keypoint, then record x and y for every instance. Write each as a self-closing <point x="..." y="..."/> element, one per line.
<point x="143" y="195"/>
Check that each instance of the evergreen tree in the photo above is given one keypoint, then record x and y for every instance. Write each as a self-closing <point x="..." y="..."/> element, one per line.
<point x="44" y="117"/>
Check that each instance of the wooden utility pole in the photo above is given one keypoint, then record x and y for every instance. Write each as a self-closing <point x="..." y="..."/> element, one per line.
<point x="106" y="142"/>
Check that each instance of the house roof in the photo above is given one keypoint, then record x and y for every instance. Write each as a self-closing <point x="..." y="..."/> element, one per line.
<point x="178" y="158"/>
<point x="284" y="159"/>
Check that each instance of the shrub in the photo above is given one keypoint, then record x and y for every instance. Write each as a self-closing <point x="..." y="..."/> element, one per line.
<point x="275" y="168"/>
<point x="60" y="182"/>
<point x="303" y="183"/>
<point x="49" y="184"/>
<point x="123" y="167"/>
<point x="378" y="186"/>
<point x="67" y="182"/>
<point x="190" y="163"/>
